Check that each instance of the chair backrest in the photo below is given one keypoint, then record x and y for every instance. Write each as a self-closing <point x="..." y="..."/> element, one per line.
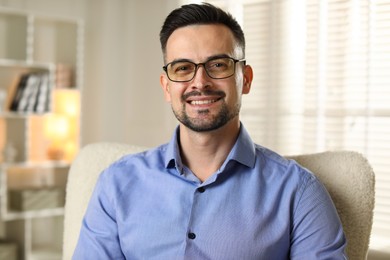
<point x="347" y="175"/>
<point x="82" y="177"/>
<point x="350" y="181"/>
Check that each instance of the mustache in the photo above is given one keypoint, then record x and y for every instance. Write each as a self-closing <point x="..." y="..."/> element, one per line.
<point x="196" y="93"/>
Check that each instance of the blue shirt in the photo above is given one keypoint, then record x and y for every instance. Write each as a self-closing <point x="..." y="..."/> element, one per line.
<point x="258" y="205"/>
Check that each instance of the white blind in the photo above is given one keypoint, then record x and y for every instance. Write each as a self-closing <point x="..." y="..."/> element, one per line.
<point x="378" y="96"/>
<point x="321" y="81"/>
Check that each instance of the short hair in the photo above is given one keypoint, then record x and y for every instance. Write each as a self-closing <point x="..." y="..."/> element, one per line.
<point x="199" y="14"/>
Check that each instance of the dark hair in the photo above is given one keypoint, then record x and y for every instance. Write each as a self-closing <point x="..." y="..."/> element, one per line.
<point x="199" y="14"/>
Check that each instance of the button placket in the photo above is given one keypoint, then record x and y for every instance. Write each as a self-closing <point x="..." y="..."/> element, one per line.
<point x="191" y="235"/>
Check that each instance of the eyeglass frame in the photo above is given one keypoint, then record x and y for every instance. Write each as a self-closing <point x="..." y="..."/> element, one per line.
<point x="165" y="68"/>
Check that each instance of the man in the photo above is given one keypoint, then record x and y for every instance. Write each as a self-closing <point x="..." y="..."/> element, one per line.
<point x="210" y="193"/>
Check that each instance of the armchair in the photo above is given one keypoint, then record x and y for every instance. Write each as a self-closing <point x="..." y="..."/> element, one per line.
<point x="348" y="177"/>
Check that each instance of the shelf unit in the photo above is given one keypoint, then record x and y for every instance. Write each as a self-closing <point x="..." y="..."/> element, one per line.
<point x="38" y="44"/>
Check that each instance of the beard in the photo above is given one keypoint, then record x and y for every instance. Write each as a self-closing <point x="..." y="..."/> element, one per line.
<point x="203" y="124"/>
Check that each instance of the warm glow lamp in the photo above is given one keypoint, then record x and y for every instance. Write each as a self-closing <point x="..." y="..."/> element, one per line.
<point x="56" y="130"/>
<point x="62" y="126"/>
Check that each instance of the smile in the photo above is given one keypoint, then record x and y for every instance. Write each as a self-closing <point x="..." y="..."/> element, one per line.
<point x="204" y="98"/>
<point x="202" y="102"/>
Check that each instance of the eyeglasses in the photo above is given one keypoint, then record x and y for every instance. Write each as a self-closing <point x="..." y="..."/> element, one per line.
<point x="216" y="68"/>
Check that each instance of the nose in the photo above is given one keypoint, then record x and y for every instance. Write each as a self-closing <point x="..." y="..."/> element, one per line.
<point x="201" y="78"/>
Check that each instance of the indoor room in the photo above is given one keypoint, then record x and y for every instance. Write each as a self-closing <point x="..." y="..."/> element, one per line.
<point x="79" y="73"/>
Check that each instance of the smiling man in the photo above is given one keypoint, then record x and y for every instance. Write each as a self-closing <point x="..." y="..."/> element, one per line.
<point x="210" y="193"/>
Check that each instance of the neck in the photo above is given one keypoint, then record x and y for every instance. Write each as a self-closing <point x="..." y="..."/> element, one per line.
<point x="204" y="152"/>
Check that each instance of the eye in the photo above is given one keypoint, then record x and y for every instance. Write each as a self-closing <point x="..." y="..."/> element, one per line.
<point x="219" y="64"/>
<point x="182" y="67"/>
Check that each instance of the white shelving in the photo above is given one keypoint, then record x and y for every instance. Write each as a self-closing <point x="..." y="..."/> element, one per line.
<point x="34" y="43"/>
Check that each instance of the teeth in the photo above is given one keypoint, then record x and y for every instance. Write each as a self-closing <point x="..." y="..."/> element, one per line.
<point x="202" y="102"/>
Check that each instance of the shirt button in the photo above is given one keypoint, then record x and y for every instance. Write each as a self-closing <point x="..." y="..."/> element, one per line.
<point x="191" y="236"/>
<point x="201" y="189"/>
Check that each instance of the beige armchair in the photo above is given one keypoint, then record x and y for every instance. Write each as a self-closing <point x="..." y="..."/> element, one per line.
<point x="347" y="175"/>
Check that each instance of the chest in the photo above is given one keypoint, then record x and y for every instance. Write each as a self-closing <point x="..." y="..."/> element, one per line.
<point x="233" y="217"/>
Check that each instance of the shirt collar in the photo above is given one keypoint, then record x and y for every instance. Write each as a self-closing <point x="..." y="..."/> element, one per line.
<point x="243" y="151"/>
<point x="172" y="154"/>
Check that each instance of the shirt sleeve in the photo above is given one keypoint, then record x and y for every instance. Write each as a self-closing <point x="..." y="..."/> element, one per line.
<point x="99" y="233"/>
<point x="317" y="232"/>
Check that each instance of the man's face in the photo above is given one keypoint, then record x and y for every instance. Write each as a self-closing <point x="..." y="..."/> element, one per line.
<point x="204" y="104"/>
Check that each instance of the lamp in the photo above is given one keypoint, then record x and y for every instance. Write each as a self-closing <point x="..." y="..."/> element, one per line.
<point x="62" y="126"/>
<point x="56" y="130"/>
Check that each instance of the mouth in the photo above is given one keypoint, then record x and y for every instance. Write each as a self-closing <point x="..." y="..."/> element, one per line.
<point x="203" y="99"/>
<point x="203" y="102"/>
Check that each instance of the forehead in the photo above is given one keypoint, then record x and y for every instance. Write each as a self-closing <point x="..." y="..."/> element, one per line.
<point x="198" y="42"/>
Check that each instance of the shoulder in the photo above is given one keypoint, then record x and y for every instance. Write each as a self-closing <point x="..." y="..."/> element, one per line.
<point x="153" y="156"/>
<point x="133" y="166"/>
<point x="276" y="163"/>
<point x="288" y="175"/>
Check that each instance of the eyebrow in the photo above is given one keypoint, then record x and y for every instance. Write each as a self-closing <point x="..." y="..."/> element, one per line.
<point x="217" y="56"/>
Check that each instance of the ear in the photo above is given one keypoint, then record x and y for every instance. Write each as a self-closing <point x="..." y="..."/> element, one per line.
<point x="164" y="82"/>
<point x="248" y="77"/>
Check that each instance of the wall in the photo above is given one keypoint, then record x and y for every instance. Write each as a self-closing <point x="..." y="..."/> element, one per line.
<point x="122" y="98"/>
<point x="148" y="117"/>
<point x="123" y="64"/>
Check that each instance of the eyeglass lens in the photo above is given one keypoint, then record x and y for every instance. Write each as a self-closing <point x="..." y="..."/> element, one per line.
<point x="218" y="68"/>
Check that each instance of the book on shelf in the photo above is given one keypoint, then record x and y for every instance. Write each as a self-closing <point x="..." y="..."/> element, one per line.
<point x="42" y="101"/>
<point x="19" y="92"/>
<point x="32" y="93"/>
<point x="64" y="76"/>
<point x="29" y="93"/>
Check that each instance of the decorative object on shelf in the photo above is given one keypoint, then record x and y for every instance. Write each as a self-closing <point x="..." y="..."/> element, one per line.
<point x="56" y="130"/>
<point x="62" y="125"/>
<point x="64" y="76"/>
<point x="9" y="153"/>
<point x="36" y="198"/>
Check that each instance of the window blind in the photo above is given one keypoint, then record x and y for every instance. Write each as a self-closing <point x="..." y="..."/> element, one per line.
<point x="378" y="96"/>
<point x="321" y="82"/>
<point x="343" y="102"/>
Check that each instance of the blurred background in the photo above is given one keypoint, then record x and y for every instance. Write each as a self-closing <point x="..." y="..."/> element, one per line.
<point x="321" y="79"/>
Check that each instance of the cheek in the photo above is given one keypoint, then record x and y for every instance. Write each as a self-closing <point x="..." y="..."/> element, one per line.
<point x="174" y="96"/>
<point x="238" y="84"/>
<point x="168" y="94"/>
<point x="241" y="81"/>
